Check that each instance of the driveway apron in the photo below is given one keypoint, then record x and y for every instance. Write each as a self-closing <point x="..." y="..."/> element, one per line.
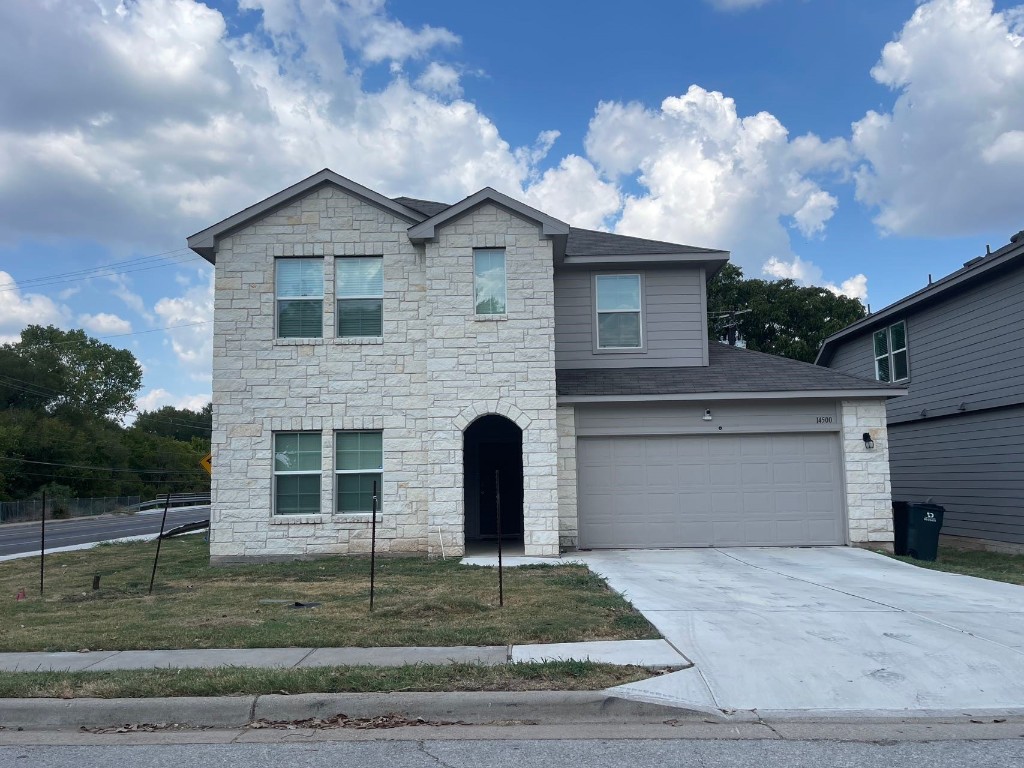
<point x="829" y="628"/>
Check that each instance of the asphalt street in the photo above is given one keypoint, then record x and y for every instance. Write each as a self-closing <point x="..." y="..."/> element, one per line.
<point x="527" y="753"/>
<point x="16" y="538"/>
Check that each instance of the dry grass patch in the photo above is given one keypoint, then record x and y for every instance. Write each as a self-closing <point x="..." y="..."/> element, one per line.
<point x="418" y="602"/>
<point x="233" y="681"/>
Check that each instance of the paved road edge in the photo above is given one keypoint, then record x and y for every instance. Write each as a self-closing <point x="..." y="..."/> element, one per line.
<point x="544" y="707"/>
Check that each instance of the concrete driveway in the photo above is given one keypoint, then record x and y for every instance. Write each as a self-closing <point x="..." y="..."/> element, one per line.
<point x="823" y="629"/>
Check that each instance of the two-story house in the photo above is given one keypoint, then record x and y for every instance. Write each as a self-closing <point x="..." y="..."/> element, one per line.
<point x="957" y="438"/>
<point x="455" y="356"/>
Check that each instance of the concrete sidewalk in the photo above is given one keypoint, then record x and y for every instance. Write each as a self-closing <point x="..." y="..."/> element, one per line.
<point x="646" y="653"/>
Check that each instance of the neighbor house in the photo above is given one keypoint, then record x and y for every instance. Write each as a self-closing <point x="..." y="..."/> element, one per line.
<point x="455" y="356"/>
<point x="957" y="438"/>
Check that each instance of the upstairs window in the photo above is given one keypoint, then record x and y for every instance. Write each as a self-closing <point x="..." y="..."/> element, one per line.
<point x="489" y="282"/>
<point x="359" y="463"/>
<point x="297" y="461"/>
<point x="618" y="312"/>
<point x="360" y="291"/>
<point x="891" y="353"/>
<point x="300" y="298"/>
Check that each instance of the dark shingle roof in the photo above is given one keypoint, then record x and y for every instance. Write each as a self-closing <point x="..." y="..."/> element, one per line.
<point x="426" y="207"/>
<point x="582" y="242"/>
<point x="730" y="369"/>
<point x="590" y="242"/>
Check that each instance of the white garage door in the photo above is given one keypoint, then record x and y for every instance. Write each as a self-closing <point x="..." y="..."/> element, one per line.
<point x="710" y="491"/>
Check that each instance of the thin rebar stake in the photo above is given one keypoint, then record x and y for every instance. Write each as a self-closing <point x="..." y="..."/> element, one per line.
<point x="42" y="545"/>
<point x="373" y="541"/>
<point x="497" y="505"/>
<point x="159" y="541"/>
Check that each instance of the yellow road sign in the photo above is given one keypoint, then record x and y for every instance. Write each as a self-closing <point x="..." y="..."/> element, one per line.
<point x="207" y="463"/>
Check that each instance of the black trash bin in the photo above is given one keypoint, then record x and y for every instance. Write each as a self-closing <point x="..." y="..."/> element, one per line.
<point x="924" y="521"/>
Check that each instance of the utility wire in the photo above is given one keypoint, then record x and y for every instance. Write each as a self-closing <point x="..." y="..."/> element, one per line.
<point x="176" y="257"/>
<point x="107" y="469"/>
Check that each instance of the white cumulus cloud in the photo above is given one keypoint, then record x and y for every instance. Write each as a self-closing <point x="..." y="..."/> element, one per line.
<point x="18" y="309"/>
<point x="104" y="323"/>
<point x="192" y="339"/>
<point x="158" y="398"/>
<point x="808" y="273"/>
<point x="948" y="159"/>
<point x="711" y="177"/>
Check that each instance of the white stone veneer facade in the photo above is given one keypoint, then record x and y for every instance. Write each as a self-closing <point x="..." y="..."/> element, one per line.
<point x="436" y="368"/>
<point x="868" y="489"/>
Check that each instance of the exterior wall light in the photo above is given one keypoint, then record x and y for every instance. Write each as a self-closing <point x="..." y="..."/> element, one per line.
<point x="868" y="442"/>
<point x="707" y="415"/>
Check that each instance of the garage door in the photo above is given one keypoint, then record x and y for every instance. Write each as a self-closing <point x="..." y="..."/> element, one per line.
<point x="708" y="491"/>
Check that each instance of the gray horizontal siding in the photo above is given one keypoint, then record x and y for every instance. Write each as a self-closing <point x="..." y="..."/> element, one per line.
<point x="733" y="417"/>
<point x="972" y="464"/>
<point x="674" y="321"/>
<point x="968" y="349"/>
<point x="855" y="358"/>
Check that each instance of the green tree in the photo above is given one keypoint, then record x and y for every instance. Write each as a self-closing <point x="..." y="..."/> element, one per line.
<point x="781" y="317"/>
<point x="71" y="374"/>
<point x="178" y="423"/>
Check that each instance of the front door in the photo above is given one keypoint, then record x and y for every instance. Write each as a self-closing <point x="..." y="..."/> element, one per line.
<point x="506" y="460"/>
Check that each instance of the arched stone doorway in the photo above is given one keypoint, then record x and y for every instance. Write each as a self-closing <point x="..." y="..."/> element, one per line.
<point x="492" y="460"/>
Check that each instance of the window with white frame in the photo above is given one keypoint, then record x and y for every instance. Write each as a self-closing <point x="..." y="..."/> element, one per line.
<point x="618" y="312"/>
<point x="358" y="466"/>
<point x="489" y="284"/>
<point x="300" y="298"/>
<point x="360" y="292"/>
<point x="891" y="353"/>
<point x="297" y="465"/>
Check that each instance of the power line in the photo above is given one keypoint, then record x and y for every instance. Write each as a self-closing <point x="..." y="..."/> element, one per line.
<point x="35" y="389"/>
<point x="176" y="257"/>
<point x="107" y="469"/>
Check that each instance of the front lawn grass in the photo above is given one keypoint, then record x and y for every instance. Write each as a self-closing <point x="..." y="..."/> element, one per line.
<point x="418" y="602"/>
<point x="985" y="565"/>
<point x="234" y="681"/>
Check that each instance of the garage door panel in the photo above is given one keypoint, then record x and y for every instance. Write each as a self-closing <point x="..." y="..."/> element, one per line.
<point x="718" y="490"/>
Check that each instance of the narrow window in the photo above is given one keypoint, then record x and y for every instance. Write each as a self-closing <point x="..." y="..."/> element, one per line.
<point x="890" y="346"/>
<point x="359" y="463"/>
<point x="360" y="289"/>
<point x="618" y="312"/>
<point x="297" y="462"/>
<point x="300" y="298"/>
<point x="489" y="281"/>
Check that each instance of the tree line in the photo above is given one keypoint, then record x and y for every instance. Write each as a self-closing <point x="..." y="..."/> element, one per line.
<point x="65" y="400"/>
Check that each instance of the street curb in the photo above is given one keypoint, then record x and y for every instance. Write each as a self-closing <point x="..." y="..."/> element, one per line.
<point x="546" y="707"/>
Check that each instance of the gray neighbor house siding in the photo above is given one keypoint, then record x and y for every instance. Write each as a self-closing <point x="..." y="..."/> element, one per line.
<point x="957" y="438"/>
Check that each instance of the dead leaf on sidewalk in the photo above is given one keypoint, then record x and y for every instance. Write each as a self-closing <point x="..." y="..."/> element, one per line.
<point x="391" y="720"/>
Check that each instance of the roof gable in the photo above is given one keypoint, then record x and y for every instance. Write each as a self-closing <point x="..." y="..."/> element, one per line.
<point x="204" y="242"/>
<point x="427" y="230"/>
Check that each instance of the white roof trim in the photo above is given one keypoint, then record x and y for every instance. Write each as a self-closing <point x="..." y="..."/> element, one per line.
<point x="427" y="230"/>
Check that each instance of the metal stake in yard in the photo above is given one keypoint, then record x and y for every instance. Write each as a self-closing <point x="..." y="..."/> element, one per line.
<point x="42" y="545"/>
<point x="159" y="541"/>
<point x="497" y="506"/>
<point x="373" y="541"/>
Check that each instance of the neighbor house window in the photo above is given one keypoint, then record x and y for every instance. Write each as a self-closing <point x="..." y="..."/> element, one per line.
<point x="618" y="312"/>
<point x="359" y="463"/>
<point x="891" y="353"/>
<point x="489" y="281"/>
<point x="297" y="462"/>
<point x="300" y="298"/>
<point x="360" y="289"/>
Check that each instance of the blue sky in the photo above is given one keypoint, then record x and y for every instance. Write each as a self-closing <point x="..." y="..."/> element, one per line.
<point x="856" y="145"/>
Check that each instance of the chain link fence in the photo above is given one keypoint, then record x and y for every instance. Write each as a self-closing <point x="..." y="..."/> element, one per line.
<point x="58" y="508"/>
